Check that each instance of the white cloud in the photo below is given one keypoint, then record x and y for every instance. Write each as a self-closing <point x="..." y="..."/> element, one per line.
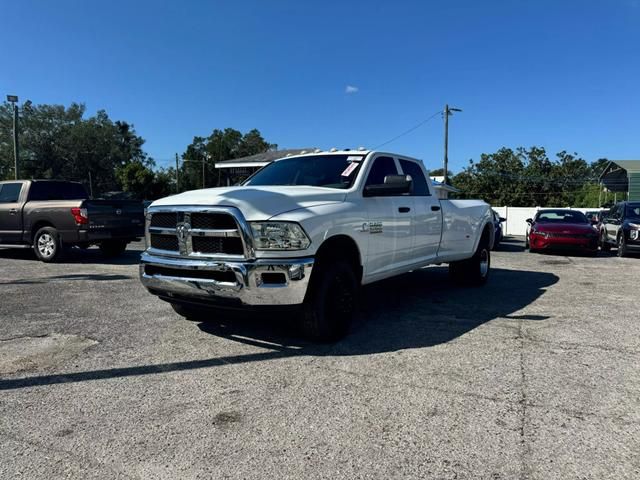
<point x="351" y="89"/>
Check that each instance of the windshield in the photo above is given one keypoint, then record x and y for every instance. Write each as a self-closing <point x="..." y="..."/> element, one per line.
<point x="331" y="171"/>
<point x="633" y="210"/>
<point x="561" y="216"/>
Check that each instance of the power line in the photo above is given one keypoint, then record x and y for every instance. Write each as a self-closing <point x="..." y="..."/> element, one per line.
<point x="415" y="127"/>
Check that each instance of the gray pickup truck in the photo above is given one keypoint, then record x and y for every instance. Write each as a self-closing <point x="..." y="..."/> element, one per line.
<point x="48" y="215"/>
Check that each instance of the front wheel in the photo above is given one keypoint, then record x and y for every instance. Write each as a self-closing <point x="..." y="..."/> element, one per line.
<point x="113" y="248"/>
<point x="46" y="244"/>
<point x="330" y="303"/>
<point x="622" y="245"/>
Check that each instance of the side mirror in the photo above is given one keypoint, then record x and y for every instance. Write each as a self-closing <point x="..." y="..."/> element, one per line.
<point x="393" y="185"/>
<point x="594" y="221"/>
<point x="529" y="221"/>
<point x="502" y="219"/>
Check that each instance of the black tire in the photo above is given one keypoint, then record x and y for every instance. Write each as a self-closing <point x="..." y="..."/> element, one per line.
<point x="623" y="251"/>
<point x="113" y="248"/>
<point x="604" y="245"/>
<point x="331" y="302"/>
<point x="475" y="271"/>
<point x="47" y="245"/>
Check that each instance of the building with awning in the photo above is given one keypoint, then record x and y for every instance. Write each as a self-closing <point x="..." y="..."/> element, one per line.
<point x="622" y="177"/>
<point x="237" y="169"/>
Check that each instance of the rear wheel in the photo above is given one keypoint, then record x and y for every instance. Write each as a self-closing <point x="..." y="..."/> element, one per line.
<point x="622" y="245"/>
<point x="474" y="271"/>
<point x="330" y="303"/>
<point x="46" y="244"/>
<point x="113" y="248"/>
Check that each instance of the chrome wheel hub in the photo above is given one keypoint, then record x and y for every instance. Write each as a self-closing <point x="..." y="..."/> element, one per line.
<point x="46" y="245"/>
<point x="484" y="262"/>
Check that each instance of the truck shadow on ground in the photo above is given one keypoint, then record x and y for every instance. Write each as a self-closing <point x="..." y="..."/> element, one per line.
<point x="416" y="310"/>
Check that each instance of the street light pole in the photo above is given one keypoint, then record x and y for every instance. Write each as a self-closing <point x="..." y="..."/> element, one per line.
<point x="16" y="147"/>
<point x="177" y="175"/>
<point x="447" y="111"/>
<point x="204" y="159"/>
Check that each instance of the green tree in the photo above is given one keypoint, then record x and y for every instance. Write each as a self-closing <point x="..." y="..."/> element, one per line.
<point x="59" y="142"/>
<point x="492" y="178"/>
<point x="221" y="145"/>
<point x="528" y="177"/>
<point x="439" y="172"/>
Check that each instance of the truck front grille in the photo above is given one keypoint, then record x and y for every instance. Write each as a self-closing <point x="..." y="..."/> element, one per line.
<point x="213" y="221"/>
<point x="196" y="233"/>
<point x="217" y="245"/>
<point x="165" y="220"/>
<point x="164" y="242"/>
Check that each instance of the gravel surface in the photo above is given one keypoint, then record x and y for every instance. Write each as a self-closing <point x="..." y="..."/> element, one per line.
<point x="534" y="376"/>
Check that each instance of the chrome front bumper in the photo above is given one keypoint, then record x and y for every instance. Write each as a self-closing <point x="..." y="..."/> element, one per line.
<point x="245" y="282"/>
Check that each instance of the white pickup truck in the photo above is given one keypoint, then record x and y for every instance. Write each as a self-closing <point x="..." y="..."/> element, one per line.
<point x="309" y="230"/>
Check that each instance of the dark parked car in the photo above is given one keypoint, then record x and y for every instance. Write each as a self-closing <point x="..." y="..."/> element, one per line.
<point x="497" y="225"/>
<point x="51" y="214"/>
<point x="620" y="228"/>
<point x="561" y="229"/>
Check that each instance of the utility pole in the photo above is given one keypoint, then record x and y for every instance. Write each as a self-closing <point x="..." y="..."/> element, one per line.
<point x="447" y="111"/>
<point x="90" y="185"/>
<point x="177" y="176"/>
<point x="16" y="147"/>
<point x="204" y="159"/>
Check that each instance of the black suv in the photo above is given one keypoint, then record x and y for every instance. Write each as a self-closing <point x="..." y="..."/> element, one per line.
<point x="620" y="228"/>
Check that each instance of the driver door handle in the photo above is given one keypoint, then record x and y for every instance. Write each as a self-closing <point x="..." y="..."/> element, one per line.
<point x="435" y="208"/>
<point x="404" y="209"/>
<point x="13" y="211"/>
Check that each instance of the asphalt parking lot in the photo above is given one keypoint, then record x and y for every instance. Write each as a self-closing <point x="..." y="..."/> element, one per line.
<point x="534" y="376"/>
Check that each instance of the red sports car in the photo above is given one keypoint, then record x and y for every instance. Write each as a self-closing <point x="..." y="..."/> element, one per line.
<point x="561" y="229"/>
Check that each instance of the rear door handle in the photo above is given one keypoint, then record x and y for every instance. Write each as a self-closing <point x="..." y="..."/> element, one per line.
<point x="13" y="211"/>
<point x="435" y="208"/>
<point x="404" y="209"/>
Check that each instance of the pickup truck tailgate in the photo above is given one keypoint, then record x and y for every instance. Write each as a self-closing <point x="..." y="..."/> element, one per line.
<point x="118" y="217"/>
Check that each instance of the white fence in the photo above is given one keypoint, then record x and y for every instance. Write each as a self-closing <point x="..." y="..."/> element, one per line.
<point x="516" y="217"/>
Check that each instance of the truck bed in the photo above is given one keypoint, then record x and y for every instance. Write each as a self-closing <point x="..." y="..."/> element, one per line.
<point x="460" y="222"/>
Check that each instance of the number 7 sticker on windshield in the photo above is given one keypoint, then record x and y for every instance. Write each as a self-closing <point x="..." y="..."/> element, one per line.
<point x="349" y="170"/>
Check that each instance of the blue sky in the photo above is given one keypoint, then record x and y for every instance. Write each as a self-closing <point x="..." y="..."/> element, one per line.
<point x="558" y="74"/>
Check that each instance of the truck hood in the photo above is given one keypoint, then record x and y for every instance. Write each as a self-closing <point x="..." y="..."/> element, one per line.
<point x="256" y="203"/>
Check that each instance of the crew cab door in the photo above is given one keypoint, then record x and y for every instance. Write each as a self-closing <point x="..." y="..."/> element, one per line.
<point x="388" y="222"/>
<point x="427" y="215"/>
<point x="10" y="212"/>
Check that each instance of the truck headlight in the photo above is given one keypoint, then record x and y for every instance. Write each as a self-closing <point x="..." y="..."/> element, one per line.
<point x="279" y="236"/>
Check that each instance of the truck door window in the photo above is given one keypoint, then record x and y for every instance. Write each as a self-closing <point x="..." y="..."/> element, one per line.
<point x="52" y="190"/>
<point x="10" y="192"/>
<point x="420" y="187"/>
<point x="382" y="166"/>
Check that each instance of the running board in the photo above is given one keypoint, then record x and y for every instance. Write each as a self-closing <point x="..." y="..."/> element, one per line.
<point x="21" y="245"/>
